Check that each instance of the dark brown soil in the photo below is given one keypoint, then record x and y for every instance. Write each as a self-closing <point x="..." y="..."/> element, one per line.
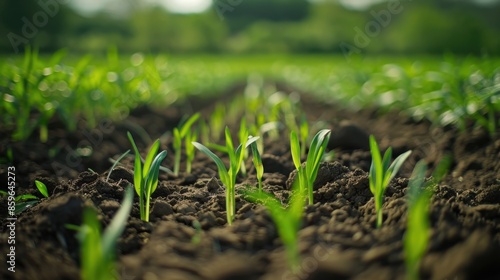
<point x="338" y="238"/>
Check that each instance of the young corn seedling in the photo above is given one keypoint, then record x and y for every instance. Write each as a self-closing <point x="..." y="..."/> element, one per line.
<point x="417" y="229"/>
<point x="381" y="173"/>
<point x="306" y="175"/>
<point x="180" y="133"/>
<point x="146" y="176"/>
<point x="228" y="177"/>
<point x="97" y="252"/>
<point x="287" y="221"/>
<point x="257" y="162"/>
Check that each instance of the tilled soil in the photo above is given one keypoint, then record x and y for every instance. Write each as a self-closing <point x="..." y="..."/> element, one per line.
<point x="338" y="237"/>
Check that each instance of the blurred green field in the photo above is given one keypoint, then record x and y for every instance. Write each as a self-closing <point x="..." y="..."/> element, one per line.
<point x="446" y="89"/>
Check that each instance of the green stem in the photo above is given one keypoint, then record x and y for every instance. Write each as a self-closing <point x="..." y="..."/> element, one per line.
<point x="146" y="214"/>
<point x="177" y="161"/>
<point x="379" y="217"/>
<point x="230" y="201"/>
<point x="293" y="256"/>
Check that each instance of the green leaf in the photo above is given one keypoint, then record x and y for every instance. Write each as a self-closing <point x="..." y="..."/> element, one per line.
<point x="21" y="207"/>
<point x="115" y="163"/>
<point x="316" y="151"/>
<point x="25" y="197"/>
<point x="187" y="125"/>
<point x="295" y="149"/>
<point x="441" y="169"/>
<point x="42" y="188"/>
<point x="177" y="139"/>
<point x="220" y="165"/>
<point x="229" y="141"/>
<point x="395" y="166"/>
<point x="376" y="171"/>
<point x="117" y="225"/>
<point x="251" y="140"/>
<point x="257" y="160"/>
<point x="150" y="157"/>
<point x="153" y="172"/>
<point x="416" y="182"/>
<point x="138" y="179"/>
<point x="92" y="259"/>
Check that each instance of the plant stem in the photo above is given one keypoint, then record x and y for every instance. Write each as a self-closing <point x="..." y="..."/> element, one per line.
<point x="379" y="218"/>
<point x="230" y="201"/>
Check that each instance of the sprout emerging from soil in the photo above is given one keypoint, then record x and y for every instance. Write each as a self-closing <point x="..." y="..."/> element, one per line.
<point x="257" y="162"/>
<point x="287" y="221"/>
<point x="306" y="175"/>
<point x="97" y="253"/>
<point x="180" y="133"/>
<point x="228" y="178"/>
<point x="146" y="177"/>
<point x="417" y="229"/>
<point x="381" y="174"/>
<point x="25" y="201"/>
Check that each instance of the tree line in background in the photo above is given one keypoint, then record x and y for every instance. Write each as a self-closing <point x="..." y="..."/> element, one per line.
<point x="404" y="27"/>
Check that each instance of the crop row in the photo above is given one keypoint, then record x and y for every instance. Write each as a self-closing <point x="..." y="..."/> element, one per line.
<point x="97" y="251"/>
<point x="463" y="92"/>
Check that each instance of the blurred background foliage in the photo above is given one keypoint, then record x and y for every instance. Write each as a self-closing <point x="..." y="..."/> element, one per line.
<point x="251" y="26"/>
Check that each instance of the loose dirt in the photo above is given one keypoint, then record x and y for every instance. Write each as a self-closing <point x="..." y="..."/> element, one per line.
<point x="338" y="237"/>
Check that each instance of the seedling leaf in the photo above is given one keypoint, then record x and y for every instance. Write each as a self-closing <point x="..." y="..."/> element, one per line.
<point x="42" y="188"/>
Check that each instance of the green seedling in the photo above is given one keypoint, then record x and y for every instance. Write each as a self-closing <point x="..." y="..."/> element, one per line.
<point x="97" y="252"/>
<point x="306" y="175"/>
<point x="191" y="136"/>
<point x="257" y="162"/>
<point x="381" y="173"/>
<point x="25" y="201"/>
<point x="228" y="177"/>
<point x="180" y="133"/>
<point x="115" y="163"/>
<point x="416" y="237"/>
<point x="287" y="221"/>
<point x="146" y="177"/>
